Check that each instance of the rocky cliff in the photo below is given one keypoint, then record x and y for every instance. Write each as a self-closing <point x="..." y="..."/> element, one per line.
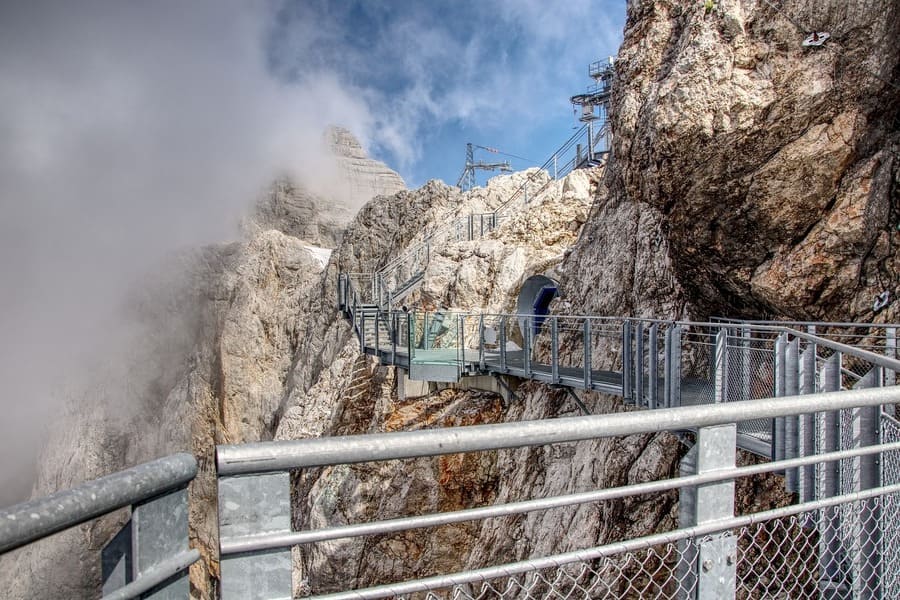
<point x="763" y="173"/>
<point x="751" y="176"/>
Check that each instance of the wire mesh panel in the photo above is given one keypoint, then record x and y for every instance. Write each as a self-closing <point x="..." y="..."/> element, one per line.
<point x="649" y="573"/>
<point x="890" y="510"/>
<point x="776" y="558"/>
<point x="788" y="558"/>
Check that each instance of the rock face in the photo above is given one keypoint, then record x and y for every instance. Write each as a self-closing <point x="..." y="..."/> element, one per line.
<point x="763" y="170"/>
<point x="749" y="177"/>
<point x="298" y="213"/>
<point x="358" y="396"/>
<point x="361" y="178"/>
<point x="209" y="358"/>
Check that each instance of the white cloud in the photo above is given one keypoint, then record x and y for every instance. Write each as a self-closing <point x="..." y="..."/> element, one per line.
<point x="128" y="130"/>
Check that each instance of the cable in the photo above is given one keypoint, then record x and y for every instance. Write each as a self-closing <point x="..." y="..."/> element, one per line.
<point x="495" y="151"/>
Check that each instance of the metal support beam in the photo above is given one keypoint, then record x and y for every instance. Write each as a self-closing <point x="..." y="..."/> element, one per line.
<point x="577" y="400"/>
<point x="586" y="342"/>
<point x="710" y="565"/>
<point x="653" y="366"/>
<point x="626" y="361"/>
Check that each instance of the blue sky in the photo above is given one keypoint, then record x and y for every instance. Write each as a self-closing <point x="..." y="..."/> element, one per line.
<point x="437" y="75"/>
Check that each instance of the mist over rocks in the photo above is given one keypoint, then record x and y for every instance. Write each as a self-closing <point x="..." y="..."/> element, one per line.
<point x="204" y="356"/>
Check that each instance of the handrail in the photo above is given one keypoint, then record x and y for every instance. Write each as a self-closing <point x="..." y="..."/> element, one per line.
<point x="264" y="457"/>
<point x="878" y="359"/>
<point x="31" y="520"/>
<point x="268" y="541"/>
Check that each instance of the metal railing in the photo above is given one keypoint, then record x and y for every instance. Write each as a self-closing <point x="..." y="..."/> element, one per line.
<point x="839" y="541"/>
<point x="151" y="550"/>
<point x="650" y="363"/>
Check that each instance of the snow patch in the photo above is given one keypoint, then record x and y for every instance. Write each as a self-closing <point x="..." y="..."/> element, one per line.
<point x="320" y="254"/>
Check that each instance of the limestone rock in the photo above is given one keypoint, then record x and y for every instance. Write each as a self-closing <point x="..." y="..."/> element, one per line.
<point x="210" y="347"/>
<point x="362" y="177"/>
<point x="297" y="212"/>
<point x="743" y="144"/>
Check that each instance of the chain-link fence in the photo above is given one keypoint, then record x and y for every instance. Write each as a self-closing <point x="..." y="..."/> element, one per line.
<point x="793" y="556"/>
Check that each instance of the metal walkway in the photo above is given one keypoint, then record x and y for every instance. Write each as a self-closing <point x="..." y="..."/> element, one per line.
<point x="650" y="364"/>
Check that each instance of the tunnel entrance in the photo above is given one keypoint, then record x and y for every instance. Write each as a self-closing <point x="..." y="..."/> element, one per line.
<point x="535" y="297"/>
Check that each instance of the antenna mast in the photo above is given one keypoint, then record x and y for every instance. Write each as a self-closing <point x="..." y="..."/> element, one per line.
<point x="467" y="179"/>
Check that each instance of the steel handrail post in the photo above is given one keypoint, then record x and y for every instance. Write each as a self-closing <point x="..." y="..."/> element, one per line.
<point x="526" y="351"/>
<point x="626" y="360"/>
<point x="481" y="342"/>
<point x="554" y="350"/>
<point x="638" y="385"/>
<point x="503" y="366"/>
<point x="653" y="366"/>
<point x="586" y="341"/>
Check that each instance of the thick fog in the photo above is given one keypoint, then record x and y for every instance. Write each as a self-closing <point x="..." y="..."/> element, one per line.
<point x="128" y="130"/>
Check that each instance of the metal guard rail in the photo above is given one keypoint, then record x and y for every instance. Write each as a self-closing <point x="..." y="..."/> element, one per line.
<point x="708" y="529"/>
<point x="32" y="520"/>
<point x="264" y="457"/>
